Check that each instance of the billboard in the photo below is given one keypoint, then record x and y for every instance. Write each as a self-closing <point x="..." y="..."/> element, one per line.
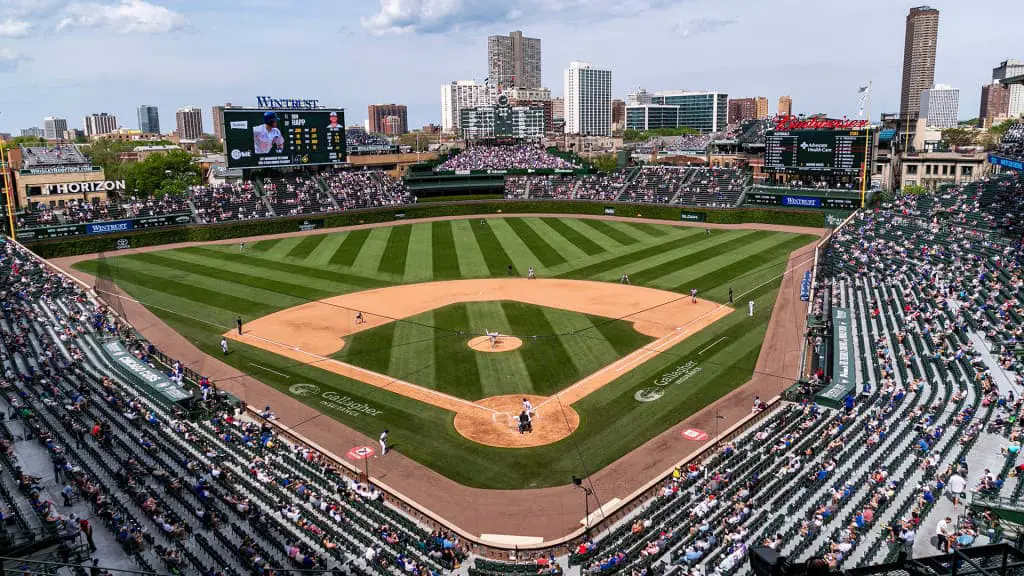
<point x="815" y="151"/>
<point x="260" y="138"/>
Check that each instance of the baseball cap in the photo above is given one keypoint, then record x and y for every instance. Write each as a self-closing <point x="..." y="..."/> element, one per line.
<point x="334" y="114"/>
<point x="269" y="117"/>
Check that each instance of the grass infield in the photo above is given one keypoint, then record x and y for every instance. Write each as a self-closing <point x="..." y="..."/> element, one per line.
<point x="199" y="291"/>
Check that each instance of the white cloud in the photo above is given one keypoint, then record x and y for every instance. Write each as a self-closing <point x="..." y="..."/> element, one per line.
<point x="699" y="26"/>
<point x="11" y="28"/>
<point x="23" y="8"/>
<point x="126" y="16"/>
<point x="442" y="16"/>
<point x="9" y="59"/>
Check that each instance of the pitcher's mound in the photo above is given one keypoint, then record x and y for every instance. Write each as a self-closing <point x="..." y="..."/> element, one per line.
<point x="551" y="422"/>
<point x="504" y="344"/>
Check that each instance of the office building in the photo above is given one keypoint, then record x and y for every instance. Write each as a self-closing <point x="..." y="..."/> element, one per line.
<point x="618" y="114"/>
<point x="940" y="106"/>
<point x="97" y="124"/>
<point x="995" y="104"/>
<point x="149" y="119"/>
<point x="74" y="134"/>
<point x="645" y="117"/>
<point x="1009" y="69"/>
<point x="638" y="97"/>
<point x="54" y="128"/>
<point x="217" y="114"/>
<point x="460" y="95"/>
<point x="705" y="112"/>
<point x="785" y="106"/>
<point x="514" y="61"/>
<point x="34" y="132"/>
<point x="741" y="109"/>
<point x="919" y="45"/>
<point x="378" y="113"/>
<point x="588" y="100"/>
<point x="558" y="108"/>
<point x="189" y="122"/>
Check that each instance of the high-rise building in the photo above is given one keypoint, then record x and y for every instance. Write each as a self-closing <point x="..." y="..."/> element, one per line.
<point x="54" y="128"/>
<point x="189" y="121"/>
<point x="918" y="59"/>
<point x="995" y="104"/>
<point x="940" y="106"/>
<point x="34" y="132"/>
<point x="379" y="112"/>
<point x="761" y="107"/>
<point x="514" y="60"/>
<point x="741" y="109"/>
<point x="588" y="100"/>
<point x="785" y="106"/>
<point x="558" y="108"/>
<point x="1009" y="69"/>
<point x="217" y="114"/>
<point x="96" y="124"/>
<point x="618" y="114"/>
<point x="459" y="95"/>
<point x="149" y="119"/>
<point x="705" y="112"/>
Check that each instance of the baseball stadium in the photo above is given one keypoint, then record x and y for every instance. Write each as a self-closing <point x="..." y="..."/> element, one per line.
<point x="508" y="362"/>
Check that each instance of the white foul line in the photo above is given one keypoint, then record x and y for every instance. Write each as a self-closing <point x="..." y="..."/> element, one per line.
<point x="269" y="370"/>
<point x="708" y="347"/>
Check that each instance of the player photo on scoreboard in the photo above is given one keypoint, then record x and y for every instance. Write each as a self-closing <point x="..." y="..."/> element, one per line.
<point x="267" y="136"/>
<point x="333" y="126"/>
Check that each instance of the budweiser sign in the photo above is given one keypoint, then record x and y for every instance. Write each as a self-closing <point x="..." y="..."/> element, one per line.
<point x="787" y="123"/>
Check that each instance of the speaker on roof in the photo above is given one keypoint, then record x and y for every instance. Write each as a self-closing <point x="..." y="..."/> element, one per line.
<point x="765" y="561"/>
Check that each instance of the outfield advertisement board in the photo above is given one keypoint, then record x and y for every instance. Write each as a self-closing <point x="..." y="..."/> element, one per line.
<point x="693" y="216"/>
<point x="136" y="370"/>
<point x="801" y="201"/>
<point x="314" y="224"/>
<point x="262" y="138"/>
<point x="115" y="226"/>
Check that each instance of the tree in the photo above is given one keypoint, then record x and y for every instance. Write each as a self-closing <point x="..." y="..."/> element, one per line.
<point x="209" y="143"/>
<point x="956" y="137"/>
<point x="605" y="162"/>
<point x="160" y="174"/>
<point x="640" y="136"/>
<point x="418" y="141"/>
<point x="1002" y="127"/>
<point x="915" y="189"/>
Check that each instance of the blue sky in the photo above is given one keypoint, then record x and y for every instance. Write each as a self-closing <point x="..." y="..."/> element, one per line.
<point x="73" y="58"/>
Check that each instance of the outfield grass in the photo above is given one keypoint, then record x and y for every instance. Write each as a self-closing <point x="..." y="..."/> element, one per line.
<point x="199" y="291"/>
<point x="559" y="348"/>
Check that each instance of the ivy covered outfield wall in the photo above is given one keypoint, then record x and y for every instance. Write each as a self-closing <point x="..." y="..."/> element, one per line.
<point x="242" y="229"/>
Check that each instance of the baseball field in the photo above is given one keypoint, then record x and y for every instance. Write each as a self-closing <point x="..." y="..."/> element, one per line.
<point x="386" y="328"/>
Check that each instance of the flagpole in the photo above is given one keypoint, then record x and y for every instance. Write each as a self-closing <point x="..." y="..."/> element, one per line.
<point x="867" y="148"/>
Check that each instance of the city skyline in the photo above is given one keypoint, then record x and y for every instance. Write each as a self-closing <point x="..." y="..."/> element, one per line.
<point x="433" y="42"/>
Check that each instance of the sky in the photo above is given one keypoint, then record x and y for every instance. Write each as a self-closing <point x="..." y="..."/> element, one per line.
<point x="69" y="59"/>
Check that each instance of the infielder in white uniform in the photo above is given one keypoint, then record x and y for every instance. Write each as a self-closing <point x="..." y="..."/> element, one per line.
<point x="750" y="308"/>
<point x="224" y="345"/>
<point x="267" y="135"/>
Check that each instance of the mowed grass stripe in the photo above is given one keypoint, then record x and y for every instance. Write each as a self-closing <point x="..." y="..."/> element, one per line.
<point x="346" y="254"/>
<point x="412" y="352"/>
<point x="222" y="300"/>
<point x="462" y="378"/>
<point x="724" y="246"/>
<point x="548" y="359"/>
<point x="396" y="251"/>
<point x="544" y="252"/>
<point x="419" y="260"/>
<point x="494" y="254"/>
<point x="723" y="275"/>
<point x="371" y="350"/>
<point x="610" y="231"/>
<point x="263" y="245"/>
<point x="588" y="246"/>
<point x="261" y="282"/>
<point x="291" y="268"/>
<point x="446" y="257"/>
<point x="649" y="229"/>
<point x="594" y="270"/>
<point x="306" y="247"/>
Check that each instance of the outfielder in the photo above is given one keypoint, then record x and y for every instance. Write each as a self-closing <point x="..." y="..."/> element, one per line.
<point x="530" y="275"/>
<point x="750" y="308"/>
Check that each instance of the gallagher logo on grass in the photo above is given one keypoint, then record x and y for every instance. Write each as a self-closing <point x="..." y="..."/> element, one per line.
<point x="304" y="390"/>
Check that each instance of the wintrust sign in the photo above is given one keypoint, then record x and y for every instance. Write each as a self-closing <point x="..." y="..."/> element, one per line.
<point x="80" y="187"/>
<point x="287" y="103"/>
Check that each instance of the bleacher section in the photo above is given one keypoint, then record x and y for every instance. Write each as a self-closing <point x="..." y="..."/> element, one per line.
<point x="367" y="189"/>
<point x="179" y="488"/>
<point x="227" y="202"/>
<point x="699" y="186"/>
<point x="295" y="195"/>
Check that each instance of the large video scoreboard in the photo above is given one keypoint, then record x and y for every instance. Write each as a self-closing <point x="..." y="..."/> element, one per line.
<point x="260" y="138"/>
<point x="840" y="151"/>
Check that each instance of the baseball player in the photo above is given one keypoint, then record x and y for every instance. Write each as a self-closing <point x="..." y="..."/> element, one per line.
<point x="730" y="295"/>
<point x="267" y="135"/>
<point x="527" y="406"/>
<point x="241" y="246"/>
<point x="359" y="317"/>
<point x="238" y="322"/>
<point x="624" y="279"/>
<point x="530" y="275"/>
<point x="384" y="442"/>
<point x="493" y="337"/>
<point x="224" y="345"/>
<point x="750" y="308"/>
<point x="693" y="295"/>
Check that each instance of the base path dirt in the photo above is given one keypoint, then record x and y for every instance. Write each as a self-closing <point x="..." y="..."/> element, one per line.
<point x="313" y="331"/>
<point x="501" y="344"/>
<point x="555" y="511"/>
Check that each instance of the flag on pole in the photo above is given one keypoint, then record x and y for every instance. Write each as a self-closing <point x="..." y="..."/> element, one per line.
<point x="865" y="92"/>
